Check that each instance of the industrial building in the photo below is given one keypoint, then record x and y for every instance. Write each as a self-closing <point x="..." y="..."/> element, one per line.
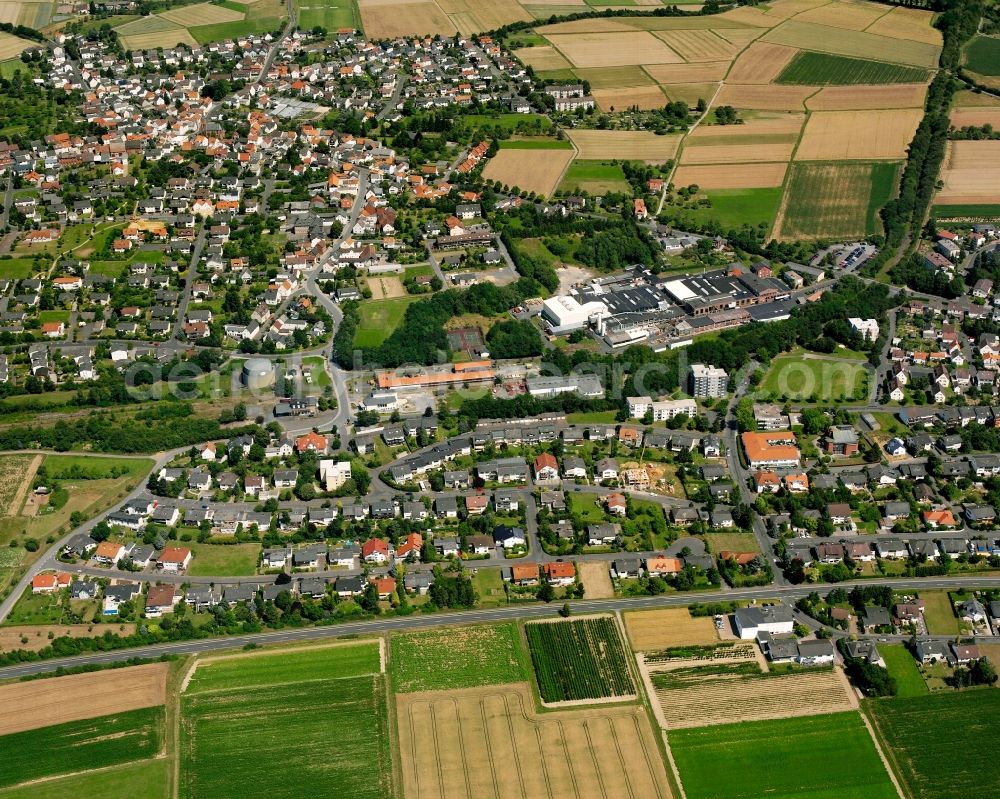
<point x="584" y="385"/>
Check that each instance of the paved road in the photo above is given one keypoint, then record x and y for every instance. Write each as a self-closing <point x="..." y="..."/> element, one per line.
<point x="506" y="613"/>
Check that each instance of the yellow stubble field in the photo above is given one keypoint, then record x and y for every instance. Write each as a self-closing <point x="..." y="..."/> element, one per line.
<point x="625" y="144"/>
<point x="858" y="135"/>
<point x="613" y="49"/>
<point x="531" y="170"/>
<point x="971" y="173"/>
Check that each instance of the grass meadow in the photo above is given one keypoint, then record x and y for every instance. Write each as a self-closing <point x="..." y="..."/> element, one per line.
<point x="983" y="55"/>
<point x="223" y="560"/>
<point x="594" y="177"/>
<point x="379" y="318"/>
<point x="148" y="779"/>
<point x="732" y="208"/>
<point x="903" y="668"/>
<point x="813" y="757"/>
<point x="329" y="14"/>
<point x="822" y="69"/>
<point x="814" y="379"/>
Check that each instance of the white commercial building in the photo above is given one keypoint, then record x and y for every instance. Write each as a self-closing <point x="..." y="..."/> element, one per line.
<point x="868" y="328"/>
<point x="584" y="385"/>
<point x="565" y="314"/>
<point x="662" y="410"/>
<point x="333" y="474"/>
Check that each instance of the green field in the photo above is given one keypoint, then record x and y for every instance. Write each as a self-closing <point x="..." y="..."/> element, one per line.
<point x="594" y="177"/>
<point x="579" y="659"/>
<point x="205" y="34"/>
<point x="223" y="560"/>
<point x="459" y="657"/>
<point x="983" y="55"/>
<point x="329" y="14"/>
<point x="903" y="668"/>
<point x="615" y="77"/>
<point x="822" y="69"/>
<point x="507" y="122"/>
<point x="939" y="211"/>
<point x="837" y="200"/>
<point x="17" y="268"/>
<point x="942" y="745"/>
<point x="816" y="757"/>
<point x="285" y="743"/>
<point x="536" y="143"/>
<point x="79" y="745"/>
<point x="287" y="666"/>
<point x="378" y="319"/>
<point x="814" y="379"/>
<point x="939" y="614"/>
<point x="94" y="467"/>
<point x="148" y="779"/>
<point x="732" y="208"/>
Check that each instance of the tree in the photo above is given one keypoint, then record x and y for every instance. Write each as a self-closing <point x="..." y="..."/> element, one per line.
<point x="982" y="672"/>
<point x="565" y="611"/>
<point x="546" y="593"/>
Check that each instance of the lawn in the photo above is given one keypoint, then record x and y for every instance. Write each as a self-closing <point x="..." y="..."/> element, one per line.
<point x="489" y="586"/>
<point x="594" y="177"/>
<point x="814" y="379"/>
<point x="79" y="745"/>
<point x="939" y="613"/>
<point x="592" y="417"/>
<point x="286" y="666"/>
<point x="148" y="779"/>
<point x="379" y="318"/>
<point x="48" y="609"/>
<point x="287" y="743"/>
<point x="732" y="208"/>
<point x="53" y="316"/>
<point x="731" y="542"/>
<point x="329" y="14"/>
<point x="223" y="560"/>
<point x="17" y="268"/>
<point x="579" y="659"/>
<point x="822" y="69"/>
<point x="458" y="657"/>
<point x="813" y="757"/>
<point x="586" y="507"/>
<point x="903" y="667"/>
<point x="318" y="374"/>
<point x="983" y="55"/>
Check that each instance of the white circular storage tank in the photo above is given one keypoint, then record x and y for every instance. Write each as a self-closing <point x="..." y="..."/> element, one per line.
<point x="258" y="373"/>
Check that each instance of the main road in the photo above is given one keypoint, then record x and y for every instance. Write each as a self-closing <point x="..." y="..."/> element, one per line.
<point x="507" y="613"/>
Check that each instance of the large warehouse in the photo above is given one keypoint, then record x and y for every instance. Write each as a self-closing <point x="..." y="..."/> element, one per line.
<point x="565" y="314"/>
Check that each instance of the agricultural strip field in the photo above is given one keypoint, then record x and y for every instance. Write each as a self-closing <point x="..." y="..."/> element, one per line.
<point x="814" y="379"/>
<point x="962" y="117"/>
<point x="314" y="732"/>
<point x="901" y="665"/>
<point x="13" y="469"/>
<point x="613" y="49"/>
<point x="80" y="745"/>
<point x="907" y="23"/>
<point x="290" y="665"/>
<point x="818" y="757"/>
<point x="539" y="171"/>
<point x="642" y="97"/>
<point x="200" y="14"/>
<point x="659" y="629"/>
<point x="11" y="46"/>
<point x="624" y="144"/>
<point x="858" y="135"/>
<point x="472" y="16"/>
<point x="579" y="659"/>
<point x="761" y="62"/>
<point x="747" y="176"/>
<point x="845" y="98"/>
<point x="856" y="44"/>
<point x="594" y="177"/>
<point x="148" y="779"/>
<point x="971" y="173"/>
<point x="59" y="700"/>
<point x="489" y="743"/>
<point x="767" y="97"/>
<point x="387" y="20"/>
<point x="836" y="200"/>
<point x="822" y="69"/>
<point x="459" y="657"/>
<point x="919" y="737"/>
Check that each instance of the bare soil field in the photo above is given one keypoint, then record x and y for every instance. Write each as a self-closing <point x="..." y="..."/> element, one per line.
<point x="384" y="288"/>
<point x="856" y="44"/>
<point x="748" y="176"/>
<point x="596" y="579"/>
<point x="846" y="98"/>
<point x="971" y="173"/>
<point x="850" y="16"/>
<point x="907" y="23"/>
<point x="533" y="170"/>
<point x="11" y="46"/>
<point x="389" y="20"/>
<point x="761" y="62"/>
<point x="613" y="49"/>
<point x="645" y="97"/>
<point x="489" y="742"/>
<point x="961" y="117"/>
<point x="544" y="57"/>
<point x="847" y="135"/>
<point x="659" y="629"/>
<point x="41" y="703"/>
<point x="201" y="14"/>
<point x="16" y="473"/>
<point x="766" y="97"/>
<point x="36" y="636"/>
<point x="698" y="45"/>
<point x="688" y="73"/>
<point x="721" y="699"/>
<point x="625" y="144"/>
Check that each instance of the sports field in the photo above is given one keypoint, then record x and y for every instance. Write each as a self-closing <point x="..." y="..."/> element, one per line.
<point x="835" y="200"/>
<point x="919" y="735"/>
<point x="534" y="170"/>
<point x="814" y="379"/>
<point x="378" y="319"/>
<point x="817" y="757"/>
<point x="329" y="14"/>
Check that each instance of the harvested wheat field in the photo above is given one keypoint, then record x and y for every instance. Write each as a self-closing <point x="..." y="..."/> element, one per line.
<point x="473" y="16"/>
<point x="740" y="36"/>
<point x="34" y="637"/>
<point x="688" y="73"/>
<point x="700" y="696"/>
<point x="735" y="153"/>
<point x="752" y="16"/>
<point x="11" y="46"/>
<point x="585" y="26"/>
<point x="725" y="176"/>
<point x="382" y="20"/>
<point x="971" y="173"/>
<point x="596" y="579"/>
<point x="761" y="62"/>
<point x="690" y="93"/>
<point x="165" y="39"/>
<point x="856" y="44"/>
<point x="543" y="57"/>
<point x="10" y="11"/>
<point x="847" y="135"/>
<point x="645" y="97"/>
<point x="874" y="98"/>
<point x="41" y="703"/>
<point x="490" y="743"/>
<point x="767" y="98"/>
<point x="908" y="23"/>
<point x="634" y="145"/>
<point x="786" y="9"/>
<point x="615" y="77"/>
<point x="201" y="14"/>
<point x="850" y="16"/>
<point x="658" y="629"/>
<point x="976" y="117"/>
<point x="613" y="49"/>
<point x="531" y="170"/>
<point x="695" y="45"/>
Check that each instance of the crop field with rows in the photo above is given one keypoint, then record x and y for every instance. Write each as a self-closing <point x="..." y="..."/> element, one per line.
<point x="580" y="659"/>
